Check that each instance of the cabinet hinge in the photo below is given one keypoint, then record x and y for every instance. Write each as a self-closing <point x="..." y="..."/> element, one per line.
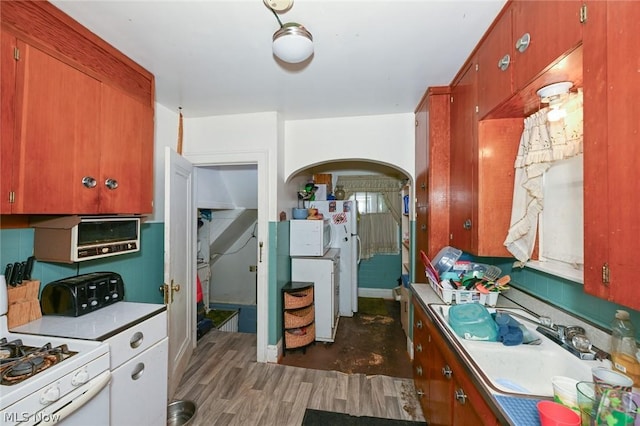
<point x="583" y="13"/>
<point x="16" y="54"/>
<point x="12" y="197"/>
<point x="477" y="67"/>
<point x="605" y="274"/>
<point x="477" y="109"/>
<point x="451" y="99"/>
<point x="416" y="123"/>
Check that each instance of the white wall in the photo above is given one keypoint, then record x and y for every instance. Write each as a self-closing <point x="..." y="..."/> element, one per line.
<point x="387" y="139"/>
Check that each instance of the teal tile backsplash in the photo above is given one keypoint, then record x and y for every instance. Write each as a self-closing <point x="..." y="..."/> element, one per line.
<point x="142" y="272"/>
<point x="564" y="294"/>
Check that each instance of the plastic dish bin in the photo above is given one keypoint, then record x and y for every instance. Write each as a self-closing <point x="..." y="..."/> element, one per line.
<point x="450" y="296"/>
<point x="474" y="322"/>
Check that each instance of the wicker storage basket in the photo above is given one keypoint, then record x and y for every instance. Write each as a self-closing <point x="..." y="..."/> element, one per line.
<point x="300" y="336"/>
<point x="299" y="317"/>
<point x="298" y="299"/>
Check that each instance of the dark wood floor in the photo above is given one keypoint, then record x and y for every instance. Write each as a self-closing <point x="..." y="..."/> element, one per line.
<point x="230" y="388"/>
<point x="367" y="343"/>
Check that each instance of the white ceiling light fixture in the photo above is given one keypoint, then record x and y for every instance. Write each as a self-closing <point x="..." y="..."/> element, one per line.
<point x="292" y="43"/>
<point x="554" y="95"/>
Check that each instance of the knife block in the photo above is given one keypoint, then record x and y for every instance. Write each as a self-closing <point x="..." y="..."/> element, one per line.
<point x="24" y="305"/>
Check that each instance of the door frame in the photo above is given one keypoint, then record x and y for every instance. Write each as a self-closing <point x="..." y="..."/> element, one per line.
<point x="261" y="159"/>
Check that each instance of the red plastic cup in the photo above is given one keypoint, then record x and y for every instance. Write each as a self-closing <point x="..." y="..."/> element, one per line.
<point x="554" y="414"/>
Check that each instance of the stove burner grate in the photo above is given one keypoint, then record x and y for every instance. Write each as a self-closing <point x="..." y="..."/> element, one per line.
<point x="19" y="362"/>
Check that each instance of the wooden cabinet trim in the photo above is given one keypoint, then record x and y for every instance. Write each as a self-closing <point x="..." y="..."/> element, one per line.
<point x="47" y="27"/>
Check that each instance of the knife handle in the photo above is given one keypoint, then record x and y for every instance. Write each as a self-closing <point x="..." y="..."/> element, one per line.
<point x="28" y="269"/>
<point x="8" y="273"/>
<point x="19" y="272"/>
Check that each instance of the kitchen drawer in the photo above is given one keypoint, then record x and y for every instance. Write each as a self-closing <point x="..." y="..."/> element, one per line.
<point x="139" y="388"/>
<point x="135" y="340"/>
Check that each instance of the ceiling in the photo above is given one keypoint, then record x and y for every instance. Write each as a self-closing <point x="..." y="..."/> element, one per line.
<point x="213" y="57"/>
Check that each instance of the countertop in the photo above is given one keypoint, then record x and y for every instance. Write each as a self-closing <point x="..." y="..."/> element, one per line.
<point x="517" y="411"/>
<point x="97" y="325"/>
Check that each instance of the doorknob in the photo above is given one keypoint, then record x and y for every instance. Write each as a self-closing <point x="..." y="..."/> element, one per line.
<point x="175" y="287"/>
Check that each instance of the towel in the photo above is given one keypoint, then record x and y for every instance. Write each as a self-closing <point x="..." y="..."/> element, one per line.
<point x="509" y="331"/>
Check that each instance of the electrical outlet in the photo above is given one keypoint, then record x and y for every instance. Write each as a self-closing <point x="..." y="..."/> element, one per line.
<point x="253" y="268"/>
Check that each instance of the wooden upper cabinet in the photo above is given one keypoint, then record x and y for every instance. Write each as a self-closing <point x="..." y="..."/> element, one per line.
<point x="495" y="56"/>
<point x="611" y="151"/>
<point x="421" y="151"/>
<point x="463" y="145"/>
<point x="126" y="160"/>
<point x="8" y="43"/>
<point x="57" y="136"/>
<point x="553" y="28"/>
<point x="77" y="118"/>
<point x="527" y="39"/>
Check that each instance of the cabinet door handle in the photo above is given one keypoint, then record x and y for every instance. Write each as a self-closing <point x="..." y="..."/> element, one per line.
<point x="419" y="324"/>
<point x="137" y="372"/>
<point x="461" y="397"/>
<point x="89" y="182"/>
<point x="418" y="347"/>
<point x="420" y="392"/>
<point x="419" y="370"/>
<point x="504" y="62"/>
<point x="523" y="42"/>
<point x="111" y="183"/>
<point x="136" y="340"/>
<point x="467" y="224"/>
<point x="446" y="372"/>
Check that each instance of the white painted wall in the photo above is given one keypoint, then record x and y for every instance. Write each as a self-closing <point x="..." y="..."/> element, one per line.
<point x="387" y="139"/>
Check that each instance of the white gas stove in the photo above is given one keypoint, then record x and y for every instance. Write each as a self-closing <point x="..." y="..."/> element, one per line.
<point x="49" y="380"/>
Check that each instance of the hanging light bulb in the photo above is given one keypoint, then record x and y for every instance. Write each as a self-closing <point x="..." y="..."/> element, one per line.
<point x="292" y="43"/>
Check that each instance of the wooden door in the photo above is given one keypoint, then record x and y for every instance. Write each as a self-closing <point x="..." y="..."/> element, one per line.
<point x="7" y="97"/>
<point x="463" y="143"/>
<point x="57" y="111"/>
<point x="179" y="261"/>
<point x="440" y="386"/>
<point x="554" y="28"/>
<point x="495" y="65"/>
<point x="126" y="153"/>
<point x="421" y="152"/>
<point x="439" y="152"/>
<point x="498" y="142"/>
<point x="611" y="174"/>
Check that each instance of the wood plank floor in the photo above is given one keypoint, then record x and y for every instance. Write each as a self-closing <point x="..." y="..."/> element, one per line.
<point x="230" y="388"/>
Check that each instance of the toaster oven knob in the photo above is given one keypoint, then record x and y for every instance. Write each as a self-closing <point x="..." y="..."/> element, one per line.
<point x="81" y="377"/>
<point x="51" y="394"/>
<point x="94" y="302"/>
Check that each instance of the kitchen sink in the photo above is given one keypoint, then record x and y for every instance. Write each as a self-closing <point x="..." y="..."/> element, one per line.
<point x="524" y="369"/>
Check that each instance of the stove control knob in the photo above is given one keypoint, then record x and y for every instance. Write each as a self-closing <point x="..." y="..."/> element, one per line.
<point x="51" y="394"/>
<point x="81" y="377"/>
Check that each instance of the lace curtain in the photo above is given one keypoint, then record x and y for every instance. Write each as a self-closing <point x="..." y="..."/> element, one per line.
<point x="542" y="142"/>
<point x="378" y="231"/>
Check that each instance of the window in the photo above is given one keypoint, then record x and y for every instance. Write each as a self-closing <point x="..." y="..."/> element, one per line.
<point x="370" y="202"/>
<point x="561" y="237"/>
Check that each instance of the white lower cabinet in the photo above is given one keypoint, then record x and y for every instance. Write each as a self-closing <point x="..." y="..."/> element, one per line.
<point x="139" y="369"/>
<point x="139" y="388"/>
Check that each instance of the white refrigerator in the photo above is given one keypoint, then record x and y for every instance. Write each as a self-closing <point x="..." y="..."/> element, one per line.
<point x="343" y="218"/>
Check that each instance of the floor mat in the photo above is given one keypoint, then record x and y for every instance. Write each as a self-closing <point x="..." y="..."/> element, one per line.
<point x="372" y="306"/>
<point x="365" y="344"/>
<point x="324" y="418"/>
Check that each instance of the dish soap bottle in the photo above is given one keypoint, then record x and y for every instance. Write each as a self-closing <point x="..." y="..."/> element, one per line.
<point x="623" y="347"/>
